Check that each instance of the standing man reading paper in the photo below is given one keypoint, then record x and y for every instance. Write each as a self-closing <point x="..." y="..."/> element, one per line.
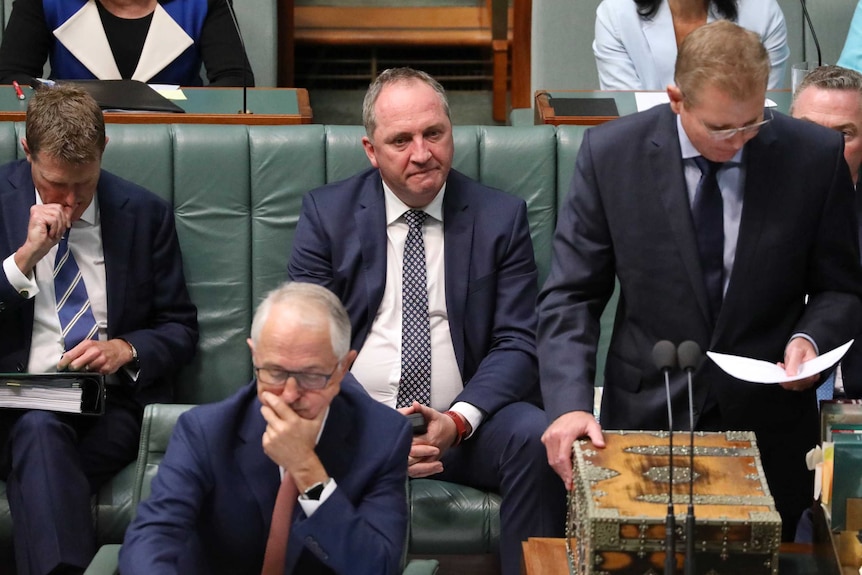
<point x="718" y="218"/>
<point x="92" y="281"/>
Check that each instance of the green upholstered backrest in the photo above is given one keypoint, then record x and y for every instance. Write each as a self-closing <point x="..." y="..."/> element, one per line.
<point x="237" y="191"/>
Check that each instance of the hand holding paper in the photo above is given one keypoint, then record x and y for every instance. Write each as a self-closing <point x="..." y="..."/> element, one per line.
<point x="758" y="371"/>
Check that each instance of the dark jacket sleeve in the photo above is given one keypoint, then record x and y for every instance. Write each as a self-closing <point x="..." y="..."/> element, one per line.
<point x="222" y="49"/>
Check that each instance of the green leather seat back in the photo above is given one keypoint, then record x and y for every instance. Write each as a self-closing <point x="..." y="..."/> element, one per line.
<point x="284" y="165"/>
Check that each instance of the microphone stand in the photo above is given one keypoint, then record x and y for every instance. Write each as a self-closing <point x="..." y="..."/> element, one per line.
<point x="664" y="356"/>
<point x="245" y="64"/>
<point x="689" y="355"/>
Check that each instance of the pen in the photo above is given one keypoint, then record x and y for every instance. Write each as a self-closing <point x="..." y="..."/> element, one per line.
<point x="18" y="90"/>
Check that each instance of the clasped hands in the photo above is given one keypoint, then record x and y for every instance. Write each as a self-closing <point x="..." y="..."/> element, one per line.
<point x="428" y="448"/>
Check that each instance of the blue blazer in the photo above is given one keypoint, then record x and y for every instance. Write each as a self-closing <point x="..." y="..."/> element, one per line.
<point x="637" y="54"/>
<point x="491" y="275"/>
<point x="627" y="216"/>
<point x="148" y="303"/>
<point x="211" y="503"/>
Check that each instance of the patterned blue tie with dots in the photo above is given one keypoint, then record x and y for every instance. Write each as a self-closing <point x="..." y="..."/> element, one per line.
<point x="415" y="381"/>
<point x="73" y="303"/>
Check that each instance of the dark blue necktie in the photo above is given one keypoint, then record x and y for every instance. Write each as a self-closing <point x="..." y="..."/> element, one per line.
<point x="708" y="213"/>
<point x="415" y="381"/>
<point x="73" y="304"/>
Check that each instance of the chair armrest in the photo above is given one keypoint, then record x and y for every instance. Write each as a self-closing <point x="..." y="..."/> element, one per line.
<point x="106" y="561"/>
<point x="421" y="567"/>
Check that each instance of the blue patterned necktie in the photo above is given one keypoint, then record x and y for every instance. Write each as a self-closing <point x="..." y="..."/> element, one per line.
<point x="73" y="304"/>
<point x="415" y="381"/>
<point x="708" y="213"/>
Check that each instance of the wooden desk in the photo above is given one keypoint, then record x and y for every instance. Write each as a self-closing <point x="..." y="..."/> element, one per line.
<point x="547" y="556"/>
<point x="270" y="106"/>
<point x="624" y="99"/>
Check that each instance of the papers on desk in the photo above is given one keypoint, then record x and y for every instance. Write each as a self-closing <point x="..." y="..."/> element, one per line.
<point x="647" y="100"/>
<point x="757" y="371"/>
<point x="169" y="91"/>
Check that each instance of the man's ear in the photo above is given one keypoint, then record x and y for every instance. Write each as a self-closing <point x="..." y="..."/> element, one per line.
<point x="25" y="147"/>
<point x="368" y="146"/>
<point x="676" y="97"/>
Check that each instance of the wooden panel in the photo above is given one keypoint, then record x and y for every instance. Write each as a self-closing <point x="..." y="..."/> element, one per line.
<point x="384" y="26"/>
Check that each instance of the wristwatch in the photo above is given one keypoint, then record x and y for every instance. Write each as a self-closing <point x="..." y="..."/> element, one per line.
<point x="314" y="492"/>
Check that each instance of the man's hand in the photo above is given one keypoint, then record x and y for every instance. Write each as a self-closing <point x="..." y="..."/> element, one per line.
<point x="561" y="435"/>
<point x="428" y="448"/>
<point x="105" y="357"/>
<point x="798" y="351"/>
<point x="289" y="441"/>
<point x="47" y="225"/>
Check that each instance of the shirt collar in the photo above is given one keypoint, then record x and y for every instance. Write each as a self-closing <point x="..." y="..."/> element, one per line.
<point x="395" y="208"/>
<point x="689" y="151"/>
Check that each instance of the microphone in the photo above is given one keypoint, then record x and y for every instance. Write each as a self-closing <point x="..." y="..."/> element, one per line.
<point x="664" y="358"/>
<point x="813" y="33"/>
<point x="689" y="359"/>
<point x="246" y="64"/>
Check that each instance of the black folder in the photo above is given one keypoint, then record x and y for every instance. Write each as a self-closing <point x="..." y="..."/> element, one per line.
<point x="66" y="392"/>
<point x="126" y="95"/>
<point x="584" y="107"/>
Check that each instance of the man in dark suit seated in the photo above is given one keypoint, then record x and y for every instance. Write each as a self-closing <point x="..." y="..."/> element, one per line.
<point x="718" y="218"/>
<point x="225" y="496"/>
<point x="832" y="96"/>
<point x="438" y="276"/>
<point x="92" y="281"/>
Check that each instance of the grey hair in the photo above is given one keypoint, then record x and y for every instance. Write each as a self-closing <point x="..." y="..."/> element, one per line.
<point x="830" y="78"/>
<point x="307" y="295"/>
<point x="392" y="76"/>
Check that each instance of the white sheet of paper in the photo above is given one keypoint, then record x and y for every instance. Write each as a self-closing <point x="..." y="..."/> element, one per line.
<point x="758" y="371"/>
<point x="647" y="100"/>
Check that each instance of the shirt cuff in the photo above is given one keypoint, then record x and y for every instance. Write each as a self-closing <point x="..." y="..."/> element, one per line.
<point x="25" y="286"/>
<point x="309" y="506"/>
<point x="471" y="413"/>
<point x="806" y="337"/>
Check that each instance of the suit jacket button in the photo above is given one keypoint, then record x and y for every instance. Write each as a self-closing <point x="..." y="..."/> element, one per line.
<point x="2" y="305"/>
<point x="20" y="367"/>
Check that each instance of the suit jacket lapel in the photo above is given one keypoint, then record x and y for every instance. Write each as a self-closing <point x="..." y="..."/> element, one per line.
<point x="670" y="185"/>
<point x="371" y="225"/>
<point x="336" y="450"/>
<point x="118" y="231"/>
<point x="458" y="223"/>
<point x="260" y="472"/>
<point x="760" y="160"/>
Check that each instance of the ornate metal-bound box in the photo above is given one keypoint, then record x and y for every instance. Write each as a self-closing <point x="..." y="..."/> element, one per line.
<point x="619" y="502"/>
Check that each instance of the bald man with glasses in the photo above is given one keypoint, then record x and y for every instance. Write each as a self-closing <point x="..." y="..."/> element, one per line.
<point x="717" y="218"/>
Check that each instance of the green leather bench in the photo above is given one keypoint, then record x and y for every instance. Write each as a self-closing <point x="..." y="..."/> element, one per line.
<point x="236" y="192"/>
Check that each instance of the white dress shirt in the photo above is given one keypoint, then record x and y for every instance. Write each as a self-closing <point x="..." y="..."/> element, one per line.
<point x="85" y="241"/>
<point x="378" y="366"/>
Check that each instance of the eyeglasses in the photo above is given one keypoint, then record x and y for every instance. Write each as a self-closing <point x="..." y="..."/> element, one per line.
<point x="275" y="377"/>
<point x="731" y="132"/>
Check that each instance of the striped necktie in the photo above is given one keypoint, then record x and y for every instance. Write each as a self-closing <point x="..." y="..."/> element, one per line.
<point x="73" y="303"/>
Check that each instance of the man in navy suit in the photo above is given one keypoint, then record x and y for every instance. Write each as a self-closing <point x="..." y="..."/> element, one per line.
<point x="832" y="96"/>
<point x="306" y="421"/>
<point x="787" y="228"/>
<point x="144" y="326"/>
<point x="480" y="288"/>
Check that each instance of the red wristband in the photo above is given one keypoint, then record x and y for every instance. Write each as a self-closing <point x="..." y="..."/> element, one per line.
<point x="460" y="426"/>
